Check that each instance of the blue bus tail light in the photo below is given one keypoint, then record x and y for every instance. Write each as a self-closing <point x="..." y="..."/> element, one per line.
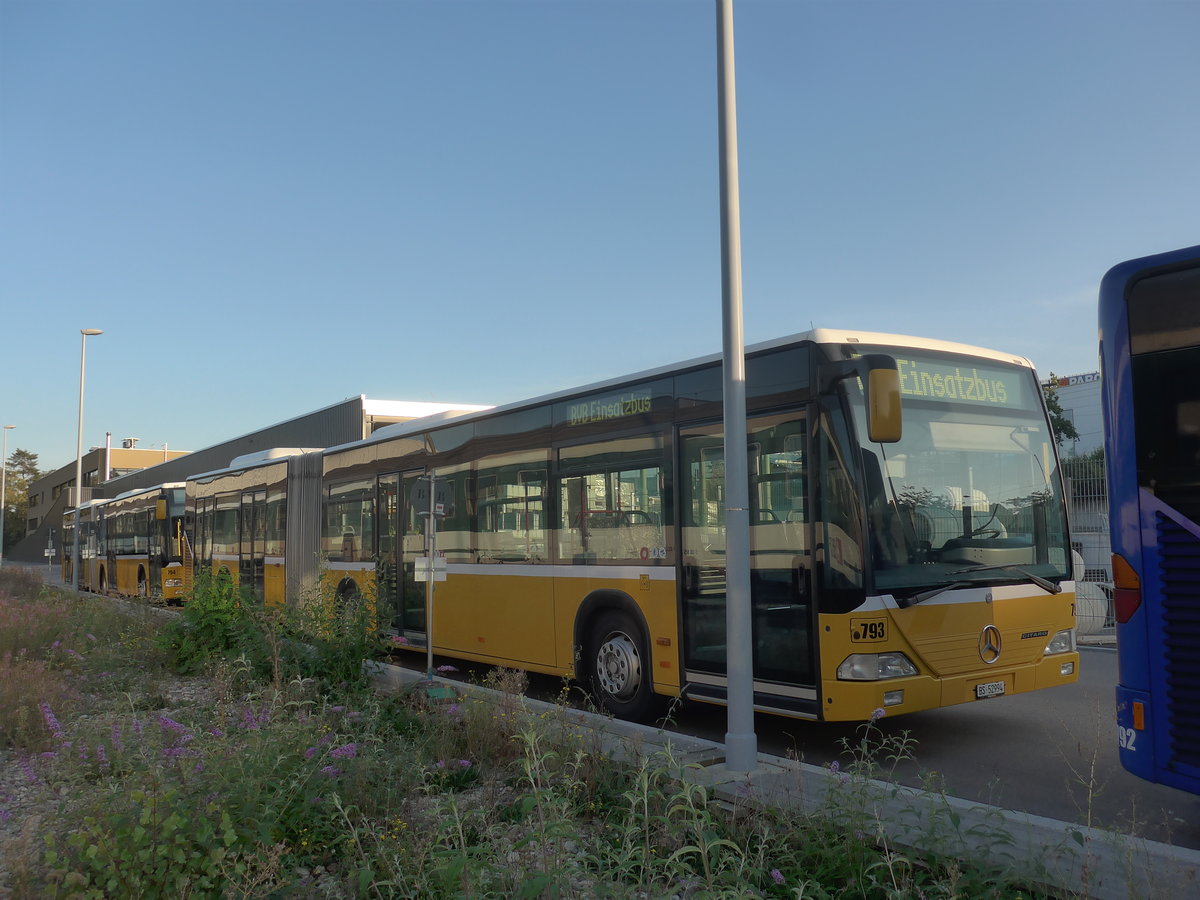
<point x="1127" y="589"/>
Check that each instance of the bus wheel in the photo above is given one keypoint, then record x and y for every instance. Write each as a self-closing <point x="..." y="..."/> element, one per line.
<point x="346" y="596"/>
<point x="618" y="666"/>
<point x="103" y="581"/>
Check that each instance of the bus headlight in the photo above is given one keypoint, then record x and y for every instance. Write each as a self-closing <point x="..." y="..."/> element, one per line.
<point x="875" y="667"/>
<point x="1063" y="642"/>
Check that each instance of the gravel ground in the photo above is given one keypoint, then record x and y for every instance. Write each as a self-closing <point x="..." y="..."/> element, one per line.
<point x="22" y="799"/>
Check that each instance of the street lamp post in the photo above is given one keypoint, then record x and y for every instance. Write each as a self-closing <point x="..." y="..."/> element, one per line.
<point x="4" y="489"/>
<point x="86" y="332"/>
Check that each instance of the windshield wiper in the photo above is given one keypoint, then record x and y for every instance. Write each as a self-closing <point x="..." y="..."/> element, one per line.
<point x="1045" y="585"/>
<point x="906" y="602"/>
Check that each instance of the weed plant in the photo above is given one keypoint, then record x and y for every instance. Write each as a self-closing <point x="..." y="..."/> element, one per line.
<point x="282" y="775"/>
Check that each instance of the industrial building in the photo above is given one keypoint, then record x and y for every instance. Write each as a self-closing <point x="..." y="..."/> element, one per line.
<point x="110" y="471"/>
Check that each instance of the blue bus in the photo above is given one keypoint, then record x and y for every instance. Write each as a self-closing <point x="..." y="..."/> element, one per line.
<point x="1150" y="365"/>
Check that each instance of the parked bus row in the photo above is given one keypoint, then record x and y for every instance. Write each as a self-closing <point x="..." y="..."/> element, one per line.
<point x="909" y="545"/>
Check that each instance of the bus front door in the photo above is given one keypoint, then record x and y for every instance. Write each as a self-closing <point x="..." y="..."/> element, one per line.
<point x="780" y="556"/>
<point x="401" y="541"/>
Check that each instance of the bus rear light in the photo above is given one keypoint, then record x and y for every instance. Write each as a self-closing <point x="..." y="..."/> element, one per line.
<point x="1127" y="589"/>
<point x="875" y="667"/>
<point x="1125" y="603"/>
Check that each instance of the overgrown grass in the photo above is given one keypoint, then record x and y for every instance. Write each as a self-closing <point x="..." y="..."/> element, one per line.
<point x="283" y="774"/>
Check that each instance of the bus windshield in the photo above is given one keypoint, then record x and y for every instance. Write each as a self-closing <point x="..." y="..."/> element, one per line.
<point x="971" y="493"/>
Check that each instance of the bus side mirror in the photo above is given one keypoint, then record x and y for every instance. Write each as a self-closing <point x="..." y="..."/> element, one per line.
<point x="160" y="510"/>
<point x="880" y="379"/>
<point x="883" y="405"/>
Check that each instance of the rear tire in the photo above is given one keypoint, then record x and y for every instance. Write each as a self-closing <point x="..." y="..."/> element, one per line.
<point x="618" y="666"/>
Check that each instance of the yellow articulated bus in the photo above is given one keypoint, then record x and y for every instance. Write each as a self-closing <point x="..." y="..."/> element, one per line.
<point x="134" y="544"/>
<point x="87" y="519"/>
<point x="250" y="517"/>
<point x="583" y="534"/>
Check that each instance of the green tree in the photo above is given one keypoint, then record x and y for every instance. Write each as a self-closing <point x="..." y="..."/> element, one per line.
<point x="21" y="471"/>
<point x="1064" y="428"/>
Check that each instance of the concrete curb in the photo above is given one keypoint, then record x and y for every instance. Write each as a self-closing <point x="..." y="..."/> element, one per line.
<point x="1060" y="856"/>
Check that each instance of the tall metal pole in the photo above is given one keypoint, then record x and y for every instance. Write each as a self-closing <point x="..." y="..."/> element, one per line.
<point x="4" y="489"/>
<point x="85" y="332"/>
<point x="431" y="541"/>
<point x="741" y="743"/>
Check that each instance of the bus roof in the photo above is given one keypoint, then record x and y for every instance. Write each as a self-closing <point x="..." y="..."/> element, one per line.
<point x="255" y="460"/>
<point x="147" y="490"/>
<point x="823" y="336"/>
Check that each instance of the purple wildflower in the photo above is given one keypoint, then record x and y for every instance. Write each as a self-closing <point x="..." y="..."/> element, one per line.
<point x="452" y="709"/>
<point x="102" y="756"/>
<point x="346" y="751"/>
<point x="56" y="645"/>
<point x="337" y="709"/>
<point x="399" y="640"/>
<point x="835" y="767"/>
<point x="249" y="720"/>
<point x="137" y="727"/>
<point x="877" y="715"/>
<point x="51" y="720"/>
<point x="446" y="669"/>
<point x="171" y="725"/>
<point x="117" y="743"/>
<point x="464" y="764"/>
<point x="83" y="753"/>
<point x="777" y="876"/>
<point x="5" y="815"/>
<point x="30" y="775"/>
<point x="216" y="732"/>
<point x="331" y="771"/>
<point x="91" y="637"/>
<point x="310" y="752"/>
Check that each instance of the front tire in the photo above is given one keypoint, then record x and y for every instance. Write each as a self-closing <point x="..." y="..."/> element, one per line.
<point x="618" y="666"/>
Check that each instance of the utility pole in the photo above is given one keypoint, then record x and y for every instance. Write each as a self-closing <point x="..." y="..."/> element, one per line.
<point x="741" y="743"/>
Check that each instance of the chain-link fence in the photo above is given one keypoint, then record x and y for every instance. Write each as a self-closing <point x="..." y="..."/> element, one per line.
<point x="1087" y="496"/>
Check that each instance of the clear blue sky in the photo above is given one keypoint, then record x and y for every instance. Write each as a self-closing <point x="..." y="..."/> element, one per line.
<point x="270" y="206"/>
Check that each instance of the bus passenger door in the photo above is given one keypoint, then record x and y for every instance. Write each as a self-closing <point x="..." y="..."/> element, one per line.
<point x="254" y="525"/>
<point x="401" y="541"/>
<point x="780" y="553"/>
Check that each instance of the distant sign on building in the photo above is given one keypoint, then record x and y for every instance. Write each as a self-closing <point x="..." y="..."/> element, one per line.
<point x="1079" y="397"/>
